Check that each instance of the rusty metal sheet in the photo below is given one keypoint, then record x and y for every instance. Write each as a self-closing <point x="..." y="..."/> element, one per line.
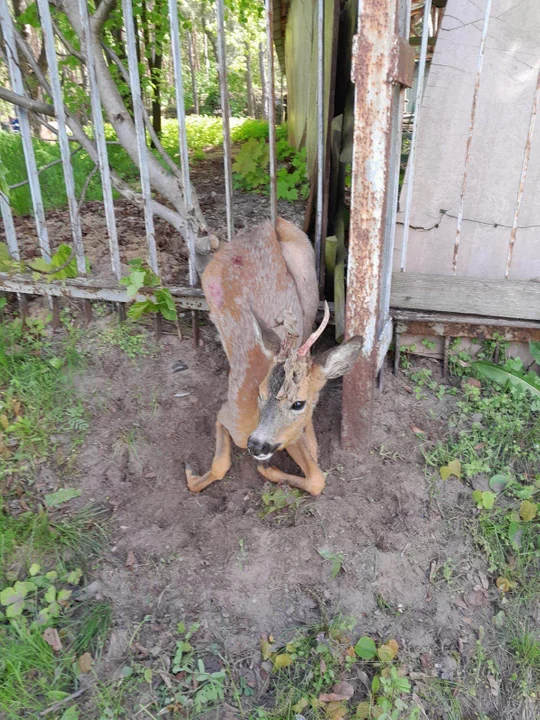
<point x="402" y="68"/>
<point x="372" y="63"/>
<point x="455" y="326"/>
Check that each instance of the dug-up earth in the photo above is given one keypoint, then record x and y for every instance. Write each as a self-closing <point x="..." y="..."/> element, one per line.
<point x="208" y="179"/>
<point x="217" y="559"/>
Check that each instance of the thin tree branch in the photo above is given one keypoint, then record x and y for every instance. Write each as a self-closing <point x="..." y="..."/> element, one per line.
<point x="26" y="102"/>
<point x="42" y="169"/>
<point x="170" y="216"/>
<point x="103" y="11"/>
<point x="155" y="139"/>
<point x="85" y="187"/>
<point x="65" y="42"/>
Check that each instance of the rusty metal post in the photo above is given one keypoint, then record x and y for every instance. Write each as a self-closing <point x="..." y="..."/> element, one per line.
<point x="373" y="72"/>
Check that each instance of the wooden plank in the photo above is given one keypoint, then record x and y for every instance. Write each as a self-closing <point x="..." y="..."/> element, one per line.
<point x="467" y="296"/>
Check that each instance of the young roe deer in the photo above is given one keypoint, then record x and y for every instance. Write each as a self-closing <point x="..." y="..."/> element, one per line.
<point x="263" y="296"/>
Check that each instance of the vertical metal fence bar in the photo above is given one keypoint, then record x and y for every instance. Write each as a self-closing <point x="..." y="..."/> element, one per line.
<point x="320" y="137"/>
<point x="140" y="131"/>
<point x="184" y="157"/>
<point x="398" y="101"/>
<point x="479" y="66"/>
<point x="182" y="136"/>
<point x="9" y="227"/>
<point x="524" y="168"/>
<point x="63" y="141"/>
<point x="416" y="124"/>
<point x="226" y="113"/>
<point x="101" y="144"/>
<point x="372" y="64"/>
<point x="18" y="86"/>
<point x="271" y="111"/>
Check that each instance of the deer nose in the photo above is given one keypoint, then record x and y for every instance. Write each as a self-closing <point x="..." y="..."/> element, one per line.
<point x="260" y="449"/>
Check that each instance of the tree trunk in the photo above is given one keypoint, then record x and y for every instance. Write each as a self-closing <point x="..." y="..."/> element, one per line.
<point x="120" y="49"/>
<point x="195" y="49"/>
<point x="249" y="84"/>
<point x="156" y="93"/>
<point x="211" y="38"/>
<point x="191" y="61"/>
<point x="206" y="57"/>
<point x="154" y="53"/>
<point x="264" y="101"/>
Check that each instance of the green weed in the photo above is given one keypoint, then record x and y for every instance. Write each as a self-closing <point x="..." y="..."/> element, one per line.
<point x="126" y="337"/>
<point x="36" y="398"/>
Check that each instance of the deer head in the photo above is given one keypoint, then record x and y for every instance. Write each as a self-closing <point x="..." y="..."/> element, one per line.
<point x="290" y="391"/>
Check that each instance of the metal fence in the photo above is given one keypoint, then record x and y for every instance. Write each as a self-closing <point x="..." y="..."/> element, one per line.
<point x="379" y="55"/>
<point x="383" y="66"/>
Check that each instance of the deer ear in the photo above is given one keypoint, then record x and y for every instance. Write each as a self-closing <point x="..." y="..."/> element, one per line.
<point x="339" y="360"/>
<point x="268" y="340"/>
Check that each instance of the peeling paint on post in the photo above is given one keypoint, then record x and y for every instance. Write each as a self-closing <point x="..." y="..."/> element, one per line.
<point x="372" y="71"/>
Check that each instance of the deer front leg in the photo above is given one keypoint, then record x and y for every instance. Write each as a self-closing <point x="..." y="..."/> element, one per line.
<point x="220" y="464"/>
<point x="314" y="479"/>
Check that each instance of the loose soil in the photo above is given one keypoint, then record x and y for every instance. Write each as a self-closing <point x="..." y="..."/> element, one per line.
<point x="212" y="557"/>
<point x="208" y="178"/>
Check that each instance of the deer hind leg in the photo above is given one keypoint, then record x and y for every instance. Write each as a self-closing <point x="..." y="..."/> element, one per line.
<point x="220" y="464"/>
<point x="314" y="479"/>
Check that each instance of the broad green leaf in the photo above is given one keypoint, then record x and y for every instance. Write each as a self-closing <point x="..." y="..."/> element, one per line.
<point x="267" y="648"/>
<point x="498" y="482"/>
<point x="74" y="577"/>
<point x="491" y="371"/>
<point x="527" y="510"/>
<point x="138" y="309"/>
<point x="387" y="652"/>
<point x="34" y="569"/>
<point x="13" y="597"/>
<point x="453" y="468"/>
<point x="134" y="282"/>
<point x="365" y="648"/>
<point x="283" y="660"/>
<point x="514" y="533"/>
<point x="534" y="348"/>
<point x="56" y="695"/>
<point x="61" y="496"/>
<point x="477" y="497"/>
<point x="50" y="595"/>
<point x="72" y="713"/>
<point x="488" y="499"/>
<point x="64" y="595"/>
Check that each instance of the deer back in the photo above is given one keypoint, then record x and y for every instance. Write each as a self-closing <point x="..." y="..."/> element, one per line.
<point x="264" y="273"/>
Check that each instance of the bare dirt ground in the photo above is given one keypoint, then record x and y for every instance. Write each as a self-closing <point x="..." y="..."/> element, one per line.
<point x="207" y="176"/>
<point x="212" y="557"/>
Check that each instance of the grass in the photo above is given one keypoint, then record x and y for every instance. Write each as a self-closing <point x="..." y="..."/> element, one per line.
<point x="494" y="435"/>
<point x="44" y="553"/>
<point x="36" y="397"/>
<point x="202" y="133"/>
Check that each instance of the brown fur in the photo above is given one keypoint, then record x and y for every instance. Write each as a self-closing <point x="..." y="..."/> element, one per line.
<point x="266" y="280"/>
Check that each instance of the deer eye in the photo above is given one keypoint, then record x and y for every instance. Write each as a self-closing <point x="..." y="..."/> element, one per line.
<point x="298" y="405"/>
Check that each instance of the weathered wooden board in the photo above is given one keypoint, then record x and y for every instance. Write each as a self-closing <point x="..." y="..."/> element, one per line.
<point x="468" y="296"/>
<point x="496" y="151"/>
<point x="301" y="68"/>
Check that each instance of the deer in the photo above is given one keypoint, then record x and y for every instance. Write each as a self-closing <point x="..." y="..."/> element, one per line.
<point x="263" y="296"/>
